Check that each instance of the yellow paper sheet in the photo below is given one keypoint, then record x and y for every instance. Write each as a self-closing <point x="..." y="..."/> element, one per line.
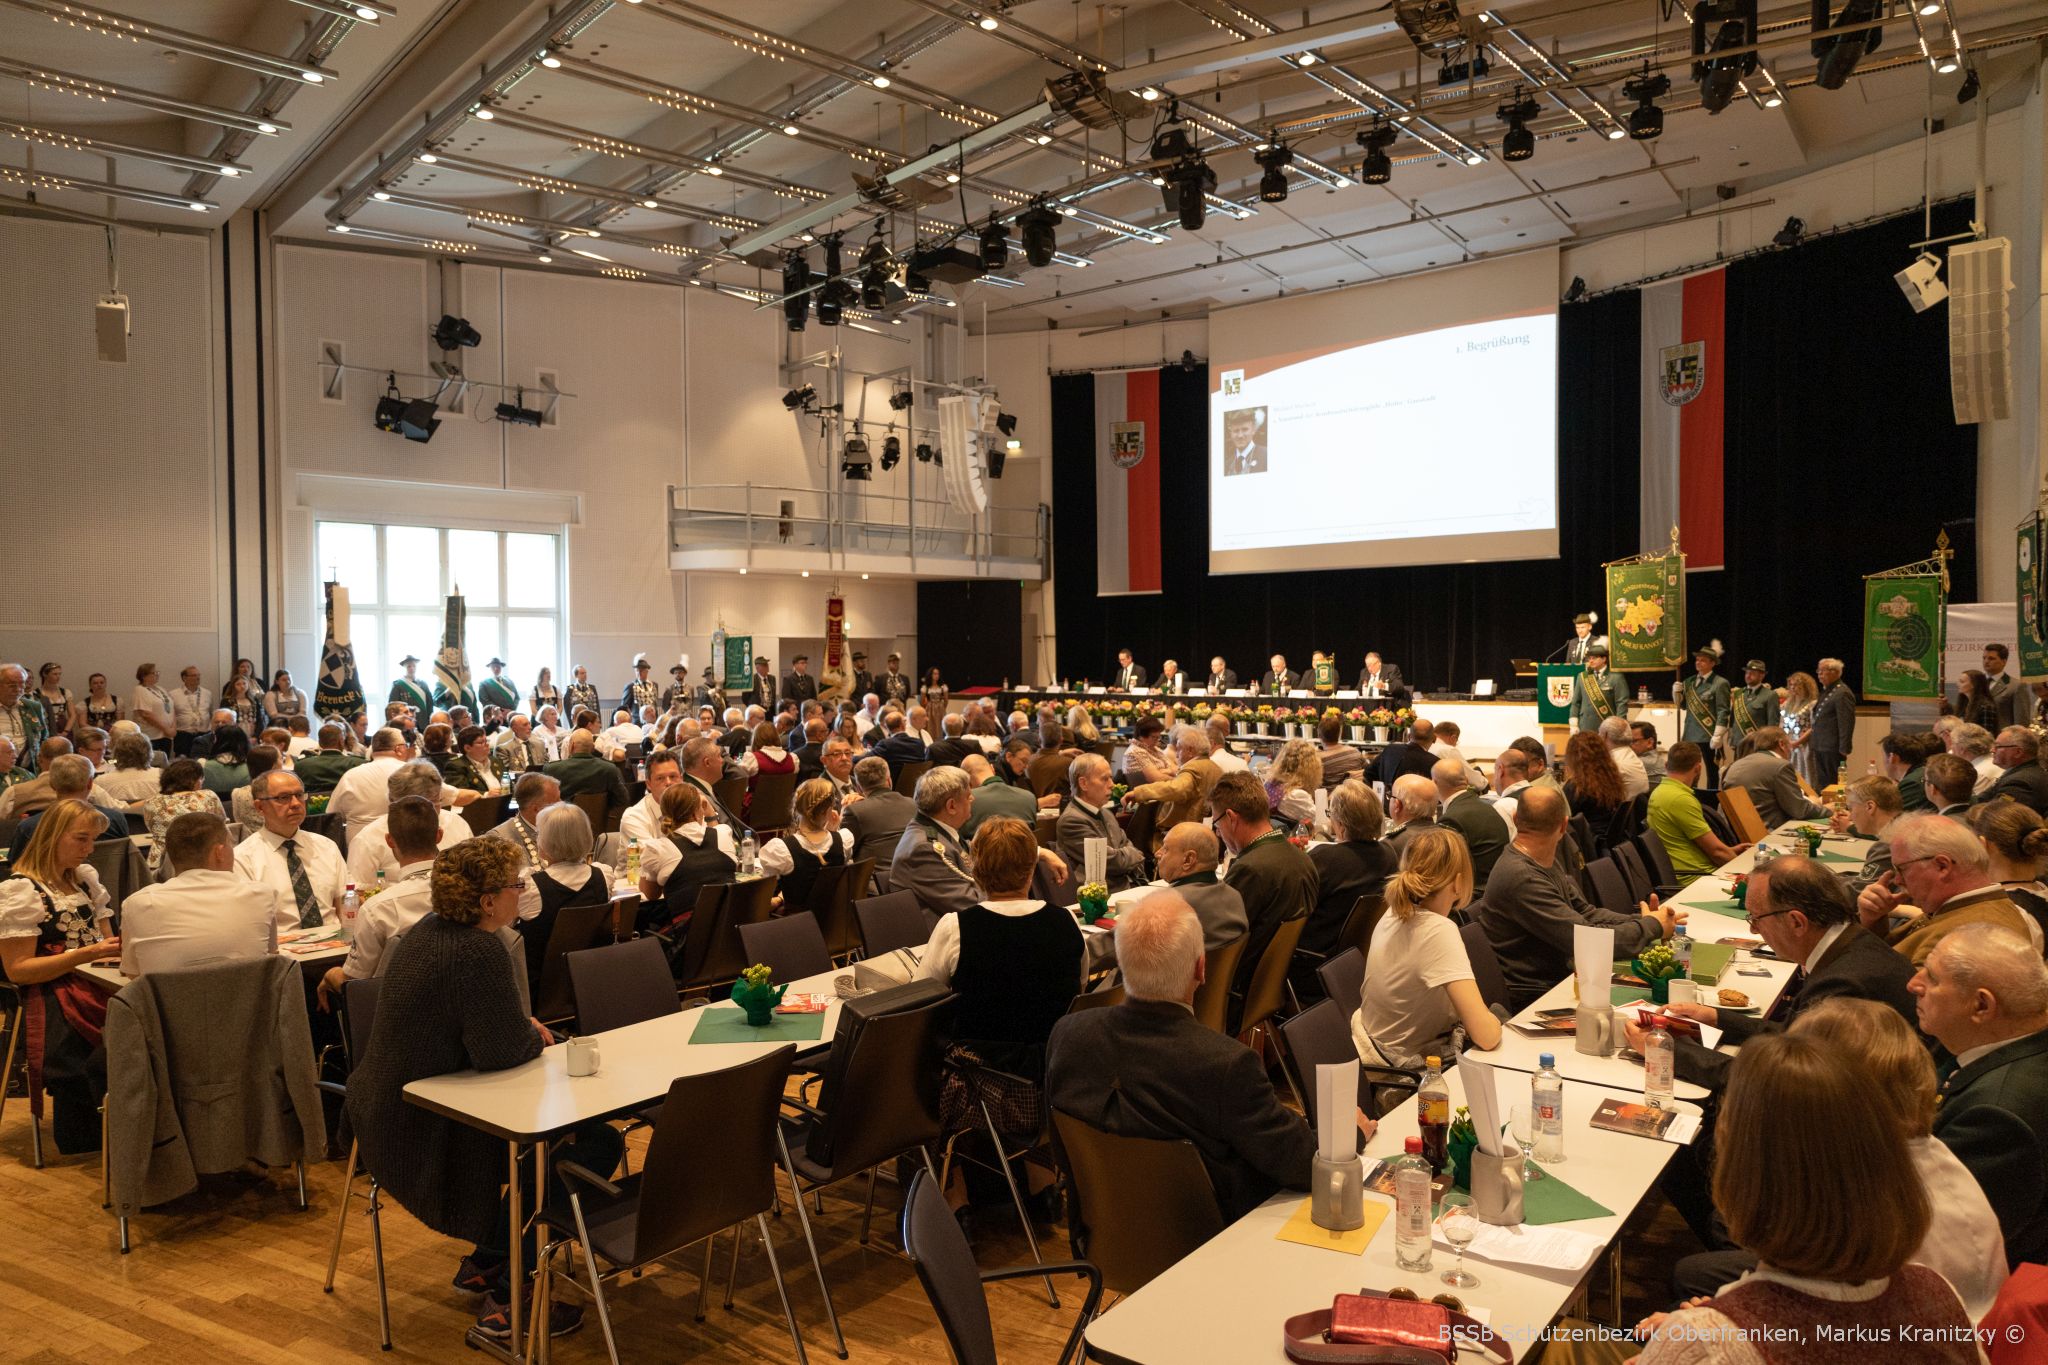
<point x="1300" y="1228"/>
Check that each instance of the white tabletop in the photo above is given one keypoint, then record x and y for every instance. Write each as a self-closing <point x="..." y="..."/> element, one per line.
<point x="1225" y="1303"/>
<point x="635" y="1066"/>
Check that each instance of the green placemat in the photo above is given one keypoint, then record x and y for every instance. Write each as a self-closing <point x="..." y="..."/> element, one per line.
<point x="1847" y="859"/>
<point x="1731" y="908"/>
<point x="731" y="1026"/>
<point x="1709" y="960"/>
<point x="1550" y="1200"/>
<point x="1629" y="995"/>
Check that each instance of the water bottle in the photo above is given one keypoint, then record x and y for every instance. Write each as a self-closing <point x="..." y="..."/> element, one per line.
<point x="750" y="854"/>
<point x="1659" y="1065"/>
<point x="1433" y="1114"/>
<point x="641" y="773"/>
<point x="1546" y="1110"/>
<point x="378" y="889"/>
<point x="351" y="906"/>
<point x="632" y="862"/>
<point x="1681" y="948"/>
<point x="1842" y="773"/>
<point x="1412" y="1212"/>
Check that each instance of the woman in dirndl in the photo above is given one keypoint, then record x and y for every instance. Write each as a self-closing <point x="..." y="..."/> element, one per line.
<point x="54" y="917"/>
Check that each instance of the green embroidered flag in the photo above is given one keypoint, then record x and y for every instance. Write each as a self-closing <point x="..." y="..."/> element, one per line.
<point x="1903" y="620"/>
<point x="2033" y="601"/>
<point x="1646" y="597"/>
<point x="738" y="662"/>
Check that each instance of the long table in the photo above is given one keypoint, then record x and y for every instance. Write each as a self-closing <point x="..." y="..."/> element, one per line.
<point x="1224" y="1303"/>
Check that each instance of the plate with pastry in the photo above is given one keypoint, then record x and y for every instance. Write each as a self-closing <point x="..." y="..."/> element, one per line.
<point x="1728" y="998"/>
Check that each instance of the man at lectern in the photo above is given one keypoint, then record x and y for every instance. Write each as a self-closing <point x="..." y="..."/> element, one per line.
<point x="1279" y="679"/>
<point x="1130" y="676"/>
<point x="1583" y="639"/>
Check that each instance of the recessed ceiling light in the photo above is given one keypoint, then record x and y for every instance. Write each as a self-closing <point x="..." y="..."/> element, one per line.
<point x="592" y="232"/>
<point x="1160" y="181"/>
<point x="1947" y="66"/>
<point x="1616" y="133"/>
<point x="714" y="170"/>
<point x="365" y="12"/>
<point x="791" y="129"/>
<point x="1306" y="59"/>
<point x="881" y="82"/>
<point x="338" y="227"/>
<point x="551" y="63"/>
<point x="988" y="25"/>
<point x="1473" y="158"/>
<point x="312" y="77"/>
<point x="231" y="171"/>
<point x="1044" y="138"/>
<point x="807" y="237"/>
<point x="807" y="573"/>
<point x="380" y="195"/>
<point x="863" y="578"/>
<point x="1928" y="7"/>
<point x="546" y="259"/>
<point x="1773" y="100"/>
<point x="429" y="158"/>
<point x="743" y="572"/>
<point x="650" y="204"/>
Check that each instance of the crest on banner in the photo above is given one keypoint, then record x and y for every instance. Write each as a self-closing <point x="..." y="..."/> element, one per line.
<point x="1682" y="372"/>
<point x="1127" y="444"/>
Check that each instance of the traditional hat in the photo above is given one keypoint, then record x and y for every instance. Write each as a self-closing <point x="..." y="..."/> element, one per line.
<point x="1597" y="647"/>
<point x="859" y="657"/>
<point x="1582" y="619"/>
<point x="408" y="659"/>
<point x="640" y="661"/>
<point x="677" y="671"/>
<point x="495" y="662"/>
<point x="1707" y="652"/>
<point x="1755" y="666"/>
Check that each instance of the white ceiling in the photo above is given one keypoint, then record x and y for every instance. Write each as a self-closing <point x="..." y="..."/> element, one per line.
<point x="408" y="83"/>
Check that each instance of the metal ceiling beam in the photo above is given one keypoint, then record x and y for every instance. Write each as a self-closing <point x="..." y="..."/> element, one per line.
<point x="555" y="184"/>
<point x="79" y="142"/>
<point x="112" y="25"/>
<point x="33" y="180"/>
<point x="92" y="88"/>
<point x="603" y="144"/>
<point x="1252" y="51"/>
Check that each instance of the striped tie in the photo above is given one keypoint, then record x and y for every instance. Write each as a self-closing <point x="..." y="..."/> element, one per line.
<point x="302" y="886"/>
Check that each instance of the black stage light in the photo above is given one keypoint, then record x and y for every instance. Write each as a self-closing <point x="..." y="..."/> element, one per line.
<point x="1172" y="143"/>
<point x="418" y="423"/>
<point x="1188" y="362"/>
<point x="516" y="414"/>
<point x="1190" y="182"/>
<point x="796" y="282"/>
<point x="1791" y="234"/>
<point x="832" y="295"/>
<point x="451" y="332"/>
<point x="995" y="244"/>
<point x="1717" y="25"/>
<point x="993" y="460"/>
<point x="1969" y="89"/>
<point x="1379" y="167"/>
<point x="1518" y="143"/>
<point x="1836" y="54"/>
<point x="874" y="273"/>
<point x="391" y="407"/>
<point x="800" y="398"/>
<point x="923" y="453"/>
<point x="1577" y="290"/>
<point x="901" y="399"/>
<point x="916" y="283"/>
<point x="1039" y="225"/>
<point x="1646" y="120"/>
<point x="1006" y="423"/>
<point x="854" y="460"/>
<point x="892" y="453"/>
<point x="1275" y="156"/>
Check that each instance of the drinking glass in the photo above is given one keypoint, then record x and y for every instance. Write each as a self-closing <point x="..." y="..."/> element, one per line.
<point x="1460" y="1224"/>
<point x="1519" y="1125"/>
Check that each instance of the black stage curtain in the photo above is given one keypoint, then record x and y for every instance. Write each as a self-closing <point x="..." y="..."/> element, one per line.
<point x="1842" y="457"/>
<point x="970" y="629"/>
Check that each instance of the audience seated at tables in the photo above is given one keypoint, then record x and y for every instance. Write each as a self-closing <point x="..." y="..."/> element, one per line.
<point x="580" y="770"/>
<point x="1276" y="879"/>
<point x="2015" y="840"/>
<point x="898" y="745"/>
<point x="1763" y="769"/>
<point x="704" y="766"/>
<point x="227" y="761"/>
<point x="67" y="777"/>
<point x="1014" y="964"/>
<point x="1292" y="783"/>
<point x="952" y="745"/>
<point x="321" y="769"/>
<point x="262" y="758"/>
<point x="1418" y="976"/>
<point x="993" y="796"/>
<point x="1147" y="759"/>
<point x="1950" y="782"/>
<point x="765" y="755"/>
<point x="1963" y="1242"/>
<point x="1593" y="787"/>
<point x="931" y="861"/>
<point x="1532" y="906"/>
<point x="1411" y="808"/>
<point x="1972" y="743"/>
<point x="1146" y="1068"/>
<point x="369" y="854"/>
<point x="1341" y="761"/>
<point x="1510" y="776"/>
<point x="205" y="913"/>
<point x="1356" y="862"/>
<point x="449" y="1002"/>
<point x="1462" y="809"/>
<point x="1409" y="756"/>
<point x="1870" y="805"/>
<point x="55" y="916"/>
<point x="412" y="830"/>
<point x="1087" y="817"/>
<point x="1445" y="745"/>
<point x="567" y="877"/>
<point x="437" y="745"/>
<point x="642" y="819"/>
<point x="1677" y="820"/>
<point x="876" y="815"/>
<point x="469" y="768"/>
<point x="1184" y="796"/>
<point x="12" y="772"/>
<point x="1984" y="997"/>
<point x="1642" y="742"/>
<point x="533" y="793"/>
<point x="1187" y="864"/>
<point x="814" y="843"/>
<point x="1615" y="735"/>
<point x="1219" y="746"/>
<point x="2017" y="752"/>
<point x="363" y="792"/>
<point x="1905" y="762"/>
<point x="1846" y="1261"/>
<point x="300" y="740"/>
<point x="690" y="855"/>
<point x="304" y="867"/>
<point x="180" y="792"/>
<point x="132" y="779"/>
<point x="1940" y="879"/>
<point x="523" y="746"/>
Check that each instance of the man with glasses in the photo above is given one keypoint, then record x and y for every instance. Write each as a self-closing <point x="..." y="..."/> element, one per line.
<point x="1940" y="880"/>
<point x="305" y="866"/>
<point x="2017" y="752"/>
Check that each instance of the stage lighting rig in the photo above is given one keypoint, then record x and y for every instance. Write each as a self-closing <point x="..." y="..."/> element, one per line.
<point x="1718" y="24"/>
<point x="1791" y="234"/>
<point x="517" y="413"/>
<point x="854" y="460"/>
<point x="1646" y="120"/>
<point x="1276" y="156"/>
<point x="995" y="244"/>
<point x="902" y="399"/>
<point x="796" y="283"/>
<point x="412" y="418"/>
<point x="874" y="271"/>
<point x="1577" y="289"/>
<point x="1836" y="54"/>
<point x="451" y="332"/>
<point x="1085" y="97"/>
<point x="1379" y="167"/>
<point x="892" y="453"/>
<point x="1517" y="143"/>
<point x="1190" y="181"/>
<point x="800" y="400"/>
<point x="835" y="295"/>
<point x="1039" y="225"/>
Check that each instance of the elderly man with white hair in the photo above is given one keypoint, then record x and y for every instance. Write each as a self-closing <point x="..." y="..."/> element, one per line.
<point x="363" y="793"/>
<point x="1615" y="734"/>
<point x="1146" y="1068"/>
<point x="1411" y="806"/>
<point x="931" y="858"/>
<point x="1972" y="744"/>
<point x="1462" y="809"/>
<point x="1983" y="995"/>
<point x="1831" y="730"/>
<point x="1187" y="864"/>
<point x="2017" y="752"/>
<point x="1940" y="880"/>
<point x="1087" y="817"/>
<point x="369" y="853"/>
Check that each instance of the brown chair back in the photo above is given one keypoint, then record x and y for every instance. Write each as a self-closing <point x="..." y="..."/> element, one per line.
<point x="1144" y="824"/>
<point x="1743" y="816"/>
<point x="711" y="954"/>
<point x="595" y="806"/>
<point x="730" y="792"/>
<point x="486" y="813"/>
<point x="712" y="1161"/>
<point x="1268" y="986"/>
<point x="885" y="1101"/>
<point x="752" y="900"/>
<point x="832" y="898"/>
<point x="891" y="921"/>
<point x="1140" y="1204"/>
<point x="768" y="810"/>
<point x="1095" y="1000"/>
<point x="1212" y="999"/>
<point x="907" y="775"/>
<point x="1048" y="772"/>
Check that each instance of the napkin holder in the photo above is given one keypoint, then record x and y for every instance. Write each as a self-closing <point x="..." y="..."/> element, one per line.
<point x="1594" y="1030"/>
<point x="1497" y="1188"/>
<point x="1337" y="1193"/>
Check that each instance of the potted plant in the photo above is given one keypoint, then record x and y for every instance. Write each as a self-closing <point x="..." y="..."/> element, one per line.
<point x="1463" y="1140"/>
<point x="1381" y="719"/>
<point x="1403" y="719"/>
<point x="1658" y="964"/>
<point x="1357" y="719"/>
<point x="1264" y="717"/>
<point x="1283" y="716"/>
<point x="1094" y="902"/>
<point x="753" y="994"/>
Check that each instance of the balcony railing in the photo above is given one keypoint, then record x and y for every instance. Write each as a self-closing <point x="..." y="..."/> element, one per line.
<point x="849" y="530"/>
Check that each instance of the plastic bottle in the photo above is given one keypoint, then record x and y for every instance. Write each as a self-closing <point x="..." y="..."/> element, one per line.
<point x="641" y="772"/>
<point x="1681" y="948"/>
<point x="1546" y="1110"/>
<point x="351" y="906"/>
<point x="1412" y="1212"/>
<point x="1433" y="1114"/>
<point x="378" y="889"/>
<point x="750" y="855"/>
<point x="632" y="862"/>
<point x="1659" y="1065"/>
<point x="1842" y="773"/>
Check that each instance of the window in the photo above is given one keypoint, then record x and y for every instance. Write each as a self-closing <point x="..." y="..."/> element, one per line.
<point x="399" y="578"/>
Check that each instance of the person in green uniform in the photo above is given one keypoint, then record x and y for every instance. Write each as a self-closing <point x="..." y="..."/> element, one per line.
<point x="409" y="689"/>
<point x="1703" y="708"/>
<point x="494" y="690"/>
<point x="1597" y="693"/>
<point x="1752" y="705"/>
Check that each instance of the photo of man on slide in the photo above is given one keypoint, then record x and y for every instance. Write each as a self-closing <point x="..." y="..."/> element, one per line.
<point x="1244" y="431"/>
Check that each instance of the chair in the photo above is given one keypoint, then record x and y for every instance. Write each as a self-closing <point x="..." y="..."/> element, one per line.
<point x="731" y="793"/>
<point x="1267" y="988"/>
<point x="952" y="1281"/>
<point x="790" y="946"/>
<point x="1048" y="772"/>
<point x="906" y="776"/>
<point x="1144" y="824"/>
<point x="1582" y="835"/>
<point x="1343" y="978"/>
<point x="1212" y="997"/>
<point x="17" y="1024"/>
<point x="1064" y="892"/>
<point x="710" y="954"/>
<point x="1321" y="1036"/>
<point x="832" y="902"/>
<point x="1610" y="887"/>
<point x="891" y="921"/>
<point x="594" y="805"/>
<point x="768" y="805"/>
<point x="1629" y="859"/>
<point x="621" y="984"/>
<point x="752" y="899"/>
<point x="1486" y="972"/>
<point x="358" y="1018"/>
<point x="710" y="1166"/>
<point x="488" y="812"/>
<point x="1097" y="999"/>
<point x="120" y="867"/>
<point x="1139" y="1204"/>
<point x="1718" y="823"/>
<point x="1657" y="860"/>
<point x="576" y="929"/>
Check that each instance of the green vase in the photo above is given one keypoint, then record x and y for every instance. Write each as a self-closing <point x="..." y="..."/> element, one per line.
<point x="1461" y="1150"/>
<point x="1093" y="909"/>
<point x="758" y="1002"/>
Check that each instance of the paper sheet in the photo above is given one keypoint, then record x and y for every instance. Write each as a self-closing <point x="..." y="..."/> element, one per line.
<point x="1593" y="958"/>
<point x="1336" y="1106"/>
<point x="1548" y="1248"/>
<point x="1483" y="1100"/>
<point x="1095" y="860"/>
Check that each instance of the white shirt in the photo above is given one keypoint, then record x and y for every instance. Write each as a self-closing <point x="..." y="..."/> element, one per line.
<point x="146" y="704"/>
<point x="570" y="875"/>
<point x="363" y="794"/>
<point x="1988" y="773"/>
<point x="1635" y="778"/>
<point x="659" y="858"/>
<point x="302" y="745"/>
<point x="550" y="737"/>
<point x="1827" y="941"/>
<point x="612" y="743"/>
<point x="642" y="820"/>
<point x="1405" y="1007"/>
<point x="191" y="709"/>
<point x="200" y="918"/>
<point x="124" y="785"/>
<point x="1963" y="1242"/>
<point x="1228" y="761"/>
<point x="863" y="722"/>
<point x="260" y="858"/>
<point x="1505" y="804"/>
<point x="369" y="853"/>
<point x="405" y="901"/>
<point x="778" y="861"/>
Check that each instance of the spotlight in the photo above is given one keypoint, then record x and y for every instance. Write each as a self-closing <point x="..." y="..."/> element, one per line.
<point x="1188" y="362"/>
<point x="1171" y="144"/>
<point x="995" y="244"/>
<point x="451" y="332"/>
<point x="835" y="294"/>
<point x="992" y="459"/>
<point x="1518" y="143"/>
<point x="874" y="273"/>
<point x="1275" y="156"/>
<point x="800" y="399"/>
<point x="391" y="407"/>
<point x="1039" y="226"/>
<point x="1921" y="282"/>
<point x="892" y="453"/>
<point x="1719" y="24"/>
<point x="1646" y="120"/>
<point x="1969" y="89"/>
<point x="927" y="455"/>
<point x="917" y="283"/>
<point x="796" y="279"/>
<point x="1946" y="66"/>
<point x="1790" y="234"/>
<point x="988" y="23"/>
<point x="1006" y="423"/>
<point x="901" y="400"/>
<point x="1188" y="181"/>
<point x="854" y="460"/>
<point x="412" y="418"/>
<point x="1577" y="290"/>
<point x="1379" y="167"/>
<point x="1836" y="54"/>
<point x="517" y="415"/>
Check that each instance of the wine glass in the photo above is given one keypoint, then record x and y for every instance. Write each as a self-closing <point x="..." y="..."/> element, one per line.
<point x="1460" y="1224"/>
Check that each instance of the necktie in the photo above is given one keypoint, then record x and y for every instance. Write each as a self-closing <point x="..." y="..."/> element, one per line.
<point x="302" y="886"/>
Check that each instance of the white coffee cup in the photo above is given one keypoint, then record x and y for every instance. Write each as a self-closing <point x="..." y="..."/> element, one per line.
<point x="1684" y="991"/>
<point x="583" y="1056"/>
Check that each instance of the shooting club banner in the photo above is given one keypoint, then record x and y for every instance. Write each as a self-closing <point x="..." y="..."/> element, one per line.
<point x="2032" y="635"/>
<point x="339" y="692"/>
<point x="1646" y="612"/>
<point x="1126" y="483"/>
<point x="1684" y="366"/>
<point x="1905" y="626"/>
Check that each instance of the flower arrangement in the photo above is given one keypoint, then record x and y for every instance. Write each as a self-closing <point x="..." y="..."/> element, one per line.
<point x="1282" y="714"/>
<point x="753" y="994"/>
<point x="1358" y="715"/>
<point x="317" y="805"/>
<point x="1094" y="901"/>
<point x="1404" y="717"/>
<point x="1117" y="790"/>
<point x="1265" y="712"/>
<point x="1658" y="964"/>
<point x="1203" y="711"/>
<point x="1380" y="717"/>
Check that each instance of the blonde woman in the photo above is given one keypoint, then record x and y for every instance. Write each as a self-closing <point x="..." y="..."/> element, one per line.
<point x="1418" y="978"/>
<point x="816" y="843"/>
<point x="1795" y="717"/>
<point x="55" y="916"/>
<point x="1292" y="783"/>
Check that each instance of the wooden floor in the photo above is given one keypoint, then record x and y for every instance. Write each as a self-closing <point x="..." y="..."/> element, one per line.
<point x="233" y="1273"/>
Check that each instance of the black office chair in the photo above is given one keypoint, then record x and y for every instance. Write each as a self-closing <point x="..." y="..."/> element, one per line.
<point x="1630" y="860"/>
<point x="1343" y="978"/>
<point x="358" y="1019"/>
<point x="891" y="921"/>
<point x="1610" y="887"/>
<point x="1321" y="1036"/>
<point x="1486" y="972"/>
<point x="791" y="946"/>
<point x="621" y="984"/>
